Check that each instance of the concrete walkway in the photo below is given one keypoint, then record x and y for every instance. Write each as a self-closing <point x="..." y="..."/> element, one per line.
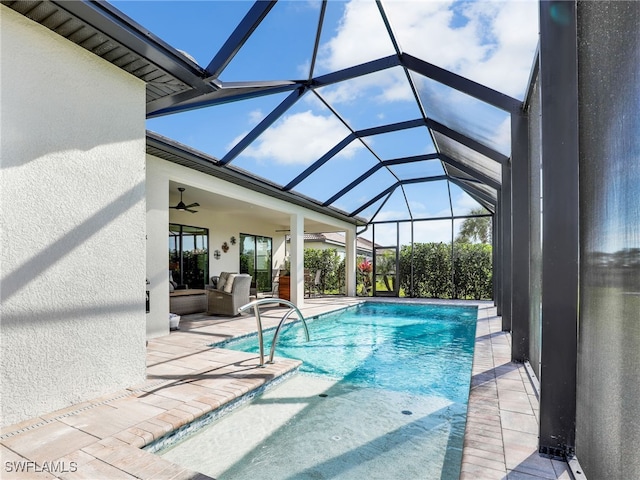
<point x="186" y="380"/>
<point x="501" y="436"/>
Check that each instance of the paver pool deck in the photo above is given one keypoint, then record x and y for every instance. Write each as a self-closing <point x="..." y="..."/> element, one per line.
<point x="186" y="379"/>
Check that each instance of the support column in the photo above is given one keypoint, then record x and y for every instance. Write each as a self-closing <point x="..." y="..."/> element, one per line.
<point x="505" y="225"/>
<point x="296" y="222"/>
<point x="560" y="220"/>
<point x="350" y="262"/>
<point x="520" y="198"/>
<point x="497" y="266"/>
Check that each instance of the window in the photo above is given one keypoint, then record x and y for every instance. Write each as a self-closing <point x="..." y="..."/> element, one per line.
<point x="188" y="255"/>
<point x="255" y="259"/>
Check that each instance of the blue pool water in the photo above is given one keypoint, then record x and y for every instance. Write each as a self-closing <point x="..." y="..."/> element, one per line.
<point x="421" y="349"/>
<point x="382" y="394"/>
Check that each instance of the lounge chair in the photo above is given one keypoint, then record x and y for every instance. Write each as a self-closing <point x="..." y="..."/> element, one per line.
<point x="231" y="292"/>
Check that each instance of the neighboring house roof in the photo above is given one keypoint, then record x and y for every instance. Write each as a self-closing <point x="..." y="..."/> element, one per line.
<point x="337" y="239"/>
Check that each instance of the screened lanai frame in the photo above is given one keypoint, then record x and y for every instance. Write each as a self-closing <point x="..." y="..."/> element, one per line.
<point x="548" y="164"/>
<point x="464" y="160"/>
<point x="177" y="85"/>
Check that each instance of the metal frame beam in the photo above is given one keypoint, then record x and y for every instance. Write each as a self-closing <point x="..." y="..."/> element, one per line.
<point x="560" y="222"/>
<point x="240" y="35"/>
<point x="390" y="189"/>
<point x="467" y="141"/>
<point x="520" y="198"/>
<point x="192" y="100"/>
<point x="321" y="161"/>
<point x="263" y="125"/>
<point x="470" y="171"/>
<point x="378" y="166"/>
<point x="464" y="85"/>
<point x="507" y="266"/>
<point x="386" y="191"/>
<point x="391" y="127"/>
<point x="474" y="192"/>
<point x="356" y="71"/>
<point x="498" y="257"/>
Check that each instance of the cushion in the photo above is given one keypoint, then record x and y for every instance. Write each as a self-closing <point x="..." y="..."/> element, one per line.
<point x="171" y="287"/>
<point x="228" y="285"/>
<point x="221" y="281"/>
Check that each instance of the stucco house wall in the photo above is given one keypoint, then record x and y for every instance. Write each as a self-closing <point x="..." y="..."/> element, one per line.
<point x="73" y="223"/>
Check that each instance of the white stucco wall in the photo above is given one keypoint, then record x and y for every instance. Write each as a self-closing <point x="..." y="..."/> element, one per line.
<point x="73" y="223"/>
<point x="222" y="226"/>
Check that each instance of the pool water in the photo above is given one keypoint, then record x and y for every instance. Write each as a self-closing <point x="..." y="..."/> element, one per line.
<point x="382" y="394"/>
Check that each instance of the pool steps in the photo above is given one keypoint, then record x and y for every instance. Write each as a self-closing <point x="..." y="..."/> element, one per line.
<point x="265" y="301"/>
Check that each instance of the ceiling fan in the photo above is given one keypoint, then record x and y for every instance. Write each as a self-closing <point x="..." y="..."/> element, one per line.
<point x="182" y="206"/>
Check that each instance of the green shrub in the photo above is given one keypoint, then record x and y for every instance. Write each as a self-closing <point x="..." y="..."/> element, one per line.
<point x="432" y="276"/>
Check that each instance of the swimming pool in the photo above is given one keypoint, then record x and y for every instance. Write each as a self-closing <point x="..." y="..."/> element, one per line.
<point x="382" y="394"/>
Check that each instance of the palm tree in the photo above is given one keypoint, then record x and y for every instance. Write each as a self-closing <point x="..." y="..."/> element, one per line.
<point x="475" y="229"/>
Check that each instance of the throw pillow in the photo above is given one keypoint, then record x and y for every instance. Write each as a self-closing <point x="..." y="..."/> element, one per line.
<point x="222" y="280"/>
<point x="228" y="286"/>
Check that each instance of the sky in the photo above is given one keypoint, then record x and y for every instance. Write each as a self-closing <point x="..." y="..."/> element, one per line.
<point x="490" y="42"/>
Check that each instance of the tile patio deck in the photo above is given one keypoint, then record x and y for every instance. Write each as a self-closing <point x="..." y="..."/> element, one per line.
<point x="102" y="438"/>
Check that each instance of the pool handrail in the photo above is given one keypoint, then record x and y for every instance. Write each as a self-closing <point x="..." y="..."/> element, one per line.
<point x="264" y="301"/>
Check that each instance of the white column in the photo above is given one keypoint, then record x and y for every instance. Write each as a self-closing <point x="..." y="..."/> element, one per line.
<point x="157" y="196"/>
<point x="350" y="262"/>
<point x="297" y="259"/>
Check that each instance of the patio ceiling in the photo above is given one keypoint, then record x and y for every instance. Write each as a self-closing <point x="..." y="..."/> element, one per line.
<point x="243" y="212"/>
<point x="356" y="108"/>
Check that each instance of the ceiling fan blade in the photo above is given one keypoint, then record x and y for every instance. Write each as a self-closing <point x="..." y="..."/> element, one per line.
<point x="192" y="205"/>
<point x="191" y="211"/>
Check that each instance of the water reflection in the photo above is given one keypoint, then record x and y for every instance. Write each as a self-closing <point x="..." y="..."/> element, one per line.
<point x="617" y="269"/>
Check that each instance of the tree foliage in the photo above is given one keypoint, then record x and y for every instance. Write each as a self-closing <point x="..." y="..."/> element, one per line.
<point x="475" y="229"/>
<point x="328" y="262"/>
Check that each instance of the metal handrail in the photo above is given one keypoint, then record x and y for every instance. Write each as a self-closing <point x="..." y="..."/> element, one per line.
<point x="264" y="301"/>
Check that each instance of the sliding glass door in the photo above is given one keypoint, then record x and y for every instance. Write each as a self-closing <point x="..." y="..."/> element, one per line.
<point x="255" y="259"/>
<point x="188" y="255"/>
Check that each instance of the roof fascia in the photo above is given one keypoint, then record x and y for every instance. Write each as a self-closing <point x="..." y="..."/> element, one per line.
<point x="118" y="26"/>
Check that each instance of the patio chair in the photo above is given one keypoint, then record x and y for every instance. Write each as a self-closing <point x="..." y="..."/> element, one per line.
<point x="230" y="294"/>
<point x="313" y="284"/>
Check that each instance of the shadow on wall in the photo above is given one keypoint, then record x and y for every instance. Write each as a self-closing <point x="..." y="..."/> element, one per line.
<point x="15" y="280"/>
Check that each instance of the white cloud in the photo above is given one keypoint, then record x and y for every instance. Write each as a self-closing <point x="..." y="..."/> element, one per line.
<point x="360" y="37"/>
<point x="255" y="116"/>
<point x="464" y="203"/>
<point x="491" y="42"/>
<point x="300" y="138"/>
<point x="380" y="87"/>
